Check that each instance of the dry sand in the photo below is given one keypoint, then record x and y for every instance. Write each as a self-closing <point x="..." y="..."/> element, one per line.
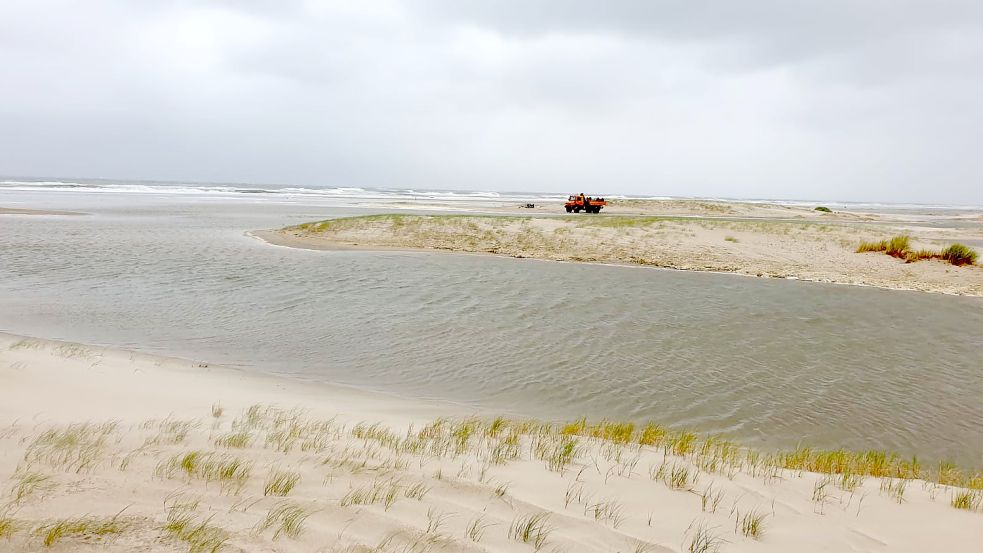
<point x="430" y="488"/>
<point x="799" y="244"/>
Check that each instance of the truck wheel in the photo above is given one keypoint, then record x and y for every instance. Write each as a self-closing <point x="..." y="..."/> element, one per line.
<point x="576" y="210"/>
<point x="569" y="209"/>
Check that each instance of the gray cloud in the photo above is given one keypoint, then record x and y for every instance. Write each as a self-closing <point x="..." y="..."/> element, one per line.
<point x="845" y="100"/>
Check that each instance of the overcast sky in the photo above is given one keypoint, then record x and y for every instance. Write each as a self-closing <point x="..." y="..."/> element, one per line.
<point x="831" y="99"/>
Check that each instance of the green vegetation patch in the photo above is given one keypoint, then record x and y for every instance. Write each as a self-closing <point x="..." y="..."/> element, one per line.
<point x="900" y="247"/>
<point x="397" y="221"/>
<point x="620" y="221"/>
<point x="959" y="254"/>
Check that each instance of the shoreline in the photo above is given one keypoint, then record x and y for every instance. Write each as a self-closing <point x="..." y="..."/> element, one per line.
<point x="806" y="251"/>
<point x="127" y="443"/>
<point x="243" y="386"/>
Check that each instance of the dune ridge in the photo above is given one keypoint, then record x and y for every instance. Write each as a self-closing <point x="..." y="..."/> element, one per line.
<point x="795" y="249"/>
<point x="110" y="450"/>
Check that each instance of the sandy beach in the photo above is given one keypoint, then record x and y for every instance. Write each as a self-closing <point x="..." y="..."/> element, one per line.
<point x="123" y="451"/>
<point x="750" y="239"/>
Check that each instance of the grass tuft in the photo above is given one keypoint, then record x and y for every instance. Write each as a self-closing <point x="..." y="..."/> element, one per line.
<point x="533" y="529"/>
<point x="280" y="483"/>
<point x="703" y="539"/>
<point x="476" y="528"/>
<point x="750" y="524"/>
<point x="385" y="492"/>
<point x="231" y="472"/>
<point x="74" y="448"/>
<point x="969" y="500"/>
<point x="959" y="254"/>
<point x="7" y="526"/>
<point x="84" y="528"/>
<point x="28" y="484"/>
<point x="900" y="247"/>
<point x="288" y="519"/>
<point x="895" y="488"/>
<point x="866" y="246"/>
<point x="201" y="536"/>
<point x="234" y="440"/>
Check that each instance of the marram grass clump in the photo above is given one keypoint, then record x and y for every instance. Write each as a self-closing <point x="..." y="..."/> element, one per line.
<point x="900" y="247"/>
<point x="959" y="254"/>
<point x="85" y="528"/>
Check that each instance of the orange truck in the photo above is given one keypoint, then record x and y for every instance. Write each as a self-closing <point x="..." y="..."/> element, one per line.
<point x="579" y="202"/>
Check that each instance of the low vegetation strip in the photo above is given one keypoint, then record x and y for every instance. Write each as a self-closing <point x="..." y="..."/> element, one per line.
<point x="900" y="247"/>
<point x="459" y="471"/>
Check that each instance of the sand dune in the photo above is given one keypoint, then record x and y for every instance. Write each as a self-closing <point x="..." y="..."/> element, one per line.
<point x="109" y="450"/>
<point x="822" y="251"/>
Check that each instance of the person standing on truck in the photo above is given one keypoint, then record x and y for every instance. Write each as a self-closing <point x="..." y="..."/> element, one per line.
<point x="583" y="200"/>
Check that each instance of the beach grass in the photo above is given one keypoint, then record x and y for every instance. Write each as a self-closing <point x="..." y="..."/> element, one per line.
<point x="703" y="539"/>
<point x="900" y="247"/>
<point x="373" y="457"/>
<point x="533" y="529"/>
<point x="229" y="471"/>
<point x="750" y="524"/>
<point x="384" y="492"/>
<point x="280" y="483"/>
<point x="286" y="519"/>
<point x="73" y="448"/>
<point x="29" y="483"/>
<point x="969" y="500"/>
<point x="234" y="440"/>
<point x="371" y="468"/>
<point x="8" y="526"/>
<point x="83" y="528"/>
<point x="710" y="499"/>
<point x="200" y="535"/>
<point x="476" y="528"/>
<point x="959" y="254"/>
<point x="866" y="246"/>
